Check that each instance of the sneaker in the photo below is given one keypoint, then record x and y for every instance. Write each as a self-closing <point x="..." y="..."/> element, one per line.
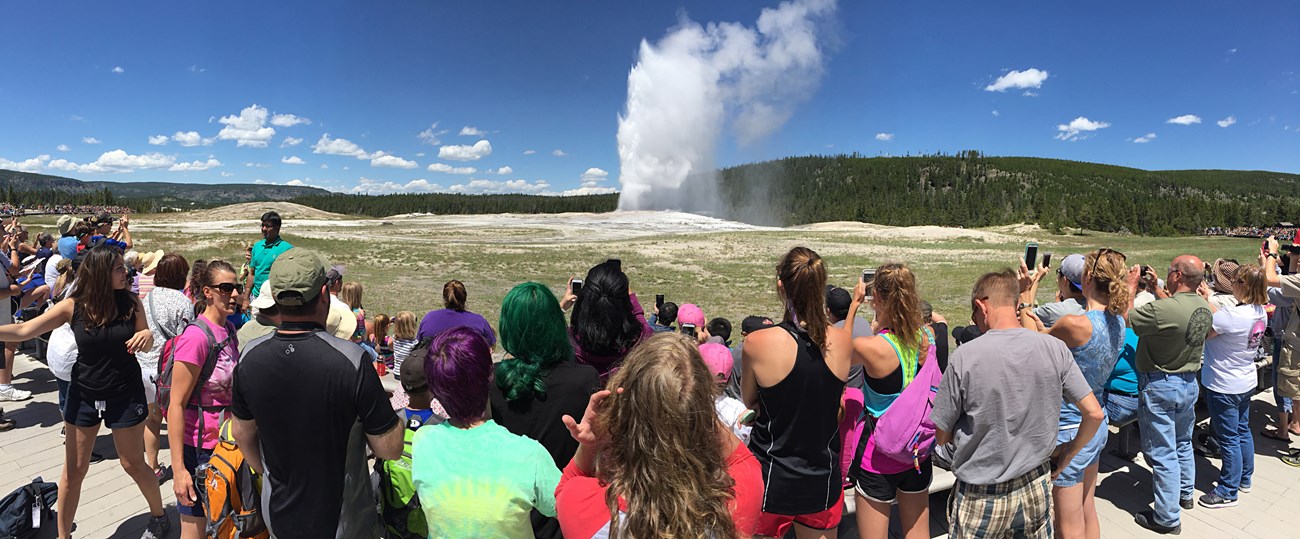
<point x="1215" y="501"/>
<point x="163" y="473"/>
<point x="1147" y="519"/>
<point x="1292" y="458"/>
<point x="96" y="457"/>
<point x="157" y="528"/>
<point x="12" y="393"/>
<point x="1187" y="503"/>
<point x="63" y="434"/>
<point x="1245" y="487"/>
<point x="7" y="424"/>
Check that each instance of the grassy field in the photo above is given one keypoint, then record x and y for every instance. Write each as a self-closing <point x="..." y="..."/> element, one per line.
<point x="404" y="263"/>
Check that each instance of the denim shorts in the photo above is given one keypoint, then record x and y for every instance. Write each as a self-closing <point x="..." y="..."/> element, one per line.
<point x="1072" y="473"/>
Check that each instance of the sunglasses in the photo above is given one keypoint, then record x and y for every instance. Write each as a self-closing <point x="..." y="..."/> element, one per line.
<point x="1101" y="253"/>
<point x="227" y="288"/>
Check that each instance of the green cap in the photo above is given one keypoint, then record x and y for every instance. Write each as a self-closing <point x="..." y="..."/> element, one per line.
<point x="297" y="276"/>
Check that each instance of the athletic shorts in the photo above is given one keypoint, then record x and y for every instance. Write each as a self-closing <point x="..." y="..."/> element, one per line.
<point x="884" y="488"/>
<point x="193" y="458"/>
<point x="1072" y="473"/>
<point x="774" y="525"/>
<point x="122" y="411"/>
<point x="1288" y="372"/>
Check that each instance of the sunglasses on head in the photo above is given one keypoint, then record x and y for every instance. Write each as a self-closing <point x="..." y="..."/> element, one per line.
<point x="1101" y="253"/>
<point x="227" y="288"/>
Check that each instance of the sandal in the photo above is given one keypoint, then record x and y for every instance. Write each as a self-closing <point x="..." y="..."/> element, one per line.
<point x="1292" y="458"/>
<point x="1279" y="435"/>
<point x="7" y="424"/>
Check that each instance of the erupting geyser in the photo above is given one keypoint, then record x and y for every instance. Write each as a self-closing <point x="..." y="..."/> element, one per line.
<point x="697" y="80"/>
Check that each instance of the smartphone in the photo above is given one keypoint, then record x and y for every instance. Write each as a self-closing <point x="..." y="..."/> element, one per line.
<point x="618" y="263"/>
<point x="1047" y="260"/>
<point x="868" y="275"/>
<point x="748" y="417"/>
<point x="689" y="329"/>
<point x="1031" y="255"/>
<point x="576" y="286"/>
<point x="659" y="300"/>
<point x="1264" y="248"/>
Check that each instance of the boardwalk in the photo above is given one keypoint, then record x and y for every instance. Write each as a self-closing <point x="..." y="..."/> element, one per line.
<point x="111" y="506"/>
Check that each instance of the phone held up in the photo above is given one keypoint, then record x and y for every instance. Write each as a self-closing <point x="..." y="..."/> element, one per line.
<point x="1047" y="260"/>
<point x="575" y="286"/>
<point x="659" y="301"/>
<point x="1031" y="256"/>
<point x="689" y="329"/>
<point x="868" y="278"/>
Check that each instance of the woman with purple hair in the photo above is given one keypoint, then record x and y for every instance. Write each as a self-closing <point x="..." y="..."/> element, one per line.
<point x="474" y="478"/>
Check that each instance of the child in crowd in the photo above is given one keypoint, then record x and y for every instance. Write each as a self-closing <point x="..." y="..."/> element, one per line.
<point x="730" y="410"/>
<point x="419" y="406"/>
<point x="383" y="341"/>
<point x="403" y="337"/>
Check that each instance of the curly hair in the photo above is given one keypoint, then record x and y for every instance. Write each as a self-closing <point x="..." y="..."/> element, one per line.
<point x="665" y="415"/>
<point x="1109" y="273"/>
<point x="534" y="333"/>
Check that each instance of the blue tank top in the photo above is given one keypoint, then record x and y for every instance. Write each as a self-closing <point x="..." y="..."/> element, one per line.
<point x="1097" y="357"/>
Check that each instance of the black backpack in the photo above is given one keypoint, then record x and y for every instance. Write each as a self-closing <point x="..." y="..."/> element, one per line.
<point x="28" y="509"/>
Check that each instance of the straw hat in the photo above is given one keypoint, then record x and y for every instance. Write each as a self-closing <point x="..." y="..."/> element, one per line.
<point x="150" y="261"/>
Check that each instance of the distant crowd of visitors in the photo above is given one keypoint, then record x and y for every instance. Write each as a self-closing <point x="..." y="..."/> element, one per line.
<point x="603" y="421"/>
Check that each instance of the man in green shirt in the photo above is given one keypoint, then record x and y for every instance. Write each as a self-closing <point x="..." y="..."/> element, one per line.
<point x="263" y="253"/>
<point x="1171" y="330"/>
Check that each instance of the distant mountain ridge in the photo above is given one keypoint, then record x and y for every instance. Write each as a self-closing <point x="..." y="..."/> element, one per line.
<point x="162" y="192"/>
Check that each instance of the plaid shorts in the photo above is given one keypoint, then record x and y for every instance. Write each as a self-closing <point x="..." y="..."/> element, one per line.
<point x="1019" y="508"/>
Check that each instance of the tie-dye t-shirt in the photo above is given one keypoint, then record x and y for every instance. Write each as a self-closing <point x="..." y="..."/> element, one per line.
<point x="481" y="482"/>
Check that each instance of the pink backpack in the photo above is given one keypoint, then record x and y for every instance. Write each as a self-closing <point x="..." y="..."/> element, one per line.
<point x="905" y="433"/>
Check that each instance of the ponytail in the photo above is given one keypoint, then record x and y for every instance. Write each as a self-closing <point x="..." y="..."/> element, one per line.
<point x="803" y="279"/>
<point x="453" y="295"/>
<point x="895" y="286"/>
<point x="1109" y="276"/>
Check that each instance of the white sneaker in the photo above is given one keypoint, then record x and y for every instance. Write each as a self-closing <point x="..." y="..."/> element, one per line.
<point x="14" y="394"/>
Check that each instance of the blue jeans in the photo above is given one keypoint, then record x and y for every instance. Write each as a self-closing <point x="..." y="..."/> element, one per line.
<point x="1120" y="409"/>
<point x="1165" y="418"/>
<point x="1283" y="403"/>
<point x="1231" y="416"/>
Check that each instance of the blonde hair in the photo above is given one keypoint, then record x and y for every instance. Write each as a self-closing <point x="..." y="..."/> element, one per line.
<point x="404" y="325"/>
<point x="665" y="415"/>
<point x="1253" y="283"/>
<point x="351" y="294"/>
<point x="895" y="289"/>
<point x="1109" y="276"/>
<point x="803" y="278"/>
<point x="381" y="328"/>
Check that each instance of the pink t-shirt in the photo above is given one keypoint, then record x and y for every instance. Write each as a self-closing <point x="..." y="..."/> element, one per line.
<point x="192" y="347"/>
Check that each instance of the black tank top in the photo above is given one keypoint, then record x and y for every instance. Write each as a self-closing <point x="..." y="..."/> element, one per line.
<point x="796" y="437"/>
<point x="104" y="369"/>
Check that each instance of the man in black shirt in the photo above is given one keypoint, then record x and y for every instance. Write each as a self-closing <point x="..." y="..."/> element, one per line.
<point x="305" y="404"/>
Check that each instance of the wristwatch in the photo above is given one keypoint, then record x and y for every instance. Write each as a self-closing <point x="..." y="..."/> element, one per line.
<point x="1022" y="307"/>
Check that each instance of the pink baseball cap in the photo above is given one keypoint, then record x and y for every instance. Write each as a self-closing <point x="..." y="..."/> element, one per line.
<point x="718" y="359"/>
<point x="690" y="313"/>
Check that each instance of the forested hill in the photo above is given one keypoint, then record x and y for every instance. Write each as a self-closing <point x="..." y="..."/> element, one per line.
<point x="34" y="189"/>
<point x="973" y="190"/>
<point x="444" y="203"/>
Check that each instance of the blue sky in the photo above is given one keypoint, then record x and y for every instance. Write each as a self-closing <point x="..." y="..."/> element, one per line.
<point x="165" y="91"/>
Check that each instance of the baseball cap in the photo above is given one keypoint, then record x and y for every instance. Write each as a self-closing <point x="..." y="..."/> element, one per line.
<point x="264" y="299"/>
<point x="717" y="357"/>
<point x="754" y="323"/>
<point x="412" y="374"/>
<point x="334" y="274"/>
<point x="65" y="224"/>
<point x="1072" y="269"/>
<point x="102" y="218"/>
<point x="297" y="276"/>
<point x="690" y="313"/>
<point x="837" y="301"/>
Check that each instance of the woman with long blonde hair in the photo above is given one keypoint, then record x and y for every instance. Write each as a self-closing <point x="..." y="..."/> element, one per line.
<point x="1096" y="338"/>
<point x="653" y="460"/>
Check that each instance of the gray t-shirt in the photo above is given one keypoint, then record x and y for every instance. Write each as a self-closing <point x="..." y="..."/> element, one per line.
<point x="1001" y="399"/>
<point x="1049" y="313"/>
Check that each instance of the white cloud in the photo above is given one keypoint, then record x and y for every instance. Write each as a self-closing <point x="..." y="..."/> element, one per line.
<point x="292" y="160"/>
<point x="338" y="146"/>
<point x="885" y="136"/>
<point x="1029" y="78"/>
<point x="559" y="153"/>
<point x="1075" y="129"/>
<point x="1145" y="138"/>
<point x="1229" y="120"/>
<point x="454" y="152"/>
<point x="380" y="187"/>
<point x="257" y="165"/>
<point x="63" y="148"/>
<point x="498" y="187"/>
<point x="296" y="183"/>
<point x="225" y="174"/>
<point x="1232" y="50"/>
<point x="995" y="112"/>
<point x="195" y="166"/>
<point x="432" y="136"/>
<point x="419" y="154"/>
<point x="119" y="70"/>
<point x="470" y="131"/>
<point x="190" y="139"/>
<point x="120" y="161"/>
<point x="194" y="68"/>
<point x="31" y="165"/>
<point x="247" y="129"/>
<point x="91" y="140"/>
<point x="63" y="164"/>
<point x="288" y="120"/>
<point x="290" y="141"/>
<point x="530" y="152"/>
<point x="586" y="191"/>
<point x="448" y="169"/>
<point x="505" y="171"/>
<point x="1028" y="93"/>
<point x="158" y="140"/>
<point x="593" y="177"/>
<point x="1186" y="119"/>
<point x="381" y="159"/>
<point x="323" y="166"/>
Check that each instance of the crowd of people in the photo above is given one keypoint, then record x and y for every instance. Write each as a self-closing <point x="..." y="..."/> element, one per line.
<point x="601" y="421"/>
<point x="1283" y="233"/>
<point x="10" y="210"/>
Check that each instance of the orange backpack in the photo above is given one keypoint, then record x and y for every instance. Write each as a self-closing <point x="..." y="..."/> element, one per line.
<point x="231" y="492"/>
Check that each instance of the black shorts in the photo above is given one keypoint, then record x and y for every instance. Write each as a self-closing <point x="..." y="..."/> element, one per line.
<point x="122" y="411"/>
<point x="884" y="488"/>
<point x="193" y="458"/>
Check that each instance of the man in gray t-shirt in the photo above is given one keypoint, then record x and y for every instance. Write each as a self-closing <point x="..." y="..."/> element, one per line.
<point x="999" y="404"/>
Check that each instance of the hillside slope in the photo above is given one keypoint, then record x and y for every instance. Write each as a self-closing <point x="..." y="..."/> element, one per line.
<point x="46" y="188"/>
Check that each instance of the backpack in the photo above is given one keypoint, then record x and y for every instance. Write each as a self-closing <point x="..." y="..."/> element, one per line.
<point x="168" y="359"/>
<point x="27" y="509"/>
<point x="399" y="506"/>
<point x="230" y="492"/>
<point x="905" y="433"/>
